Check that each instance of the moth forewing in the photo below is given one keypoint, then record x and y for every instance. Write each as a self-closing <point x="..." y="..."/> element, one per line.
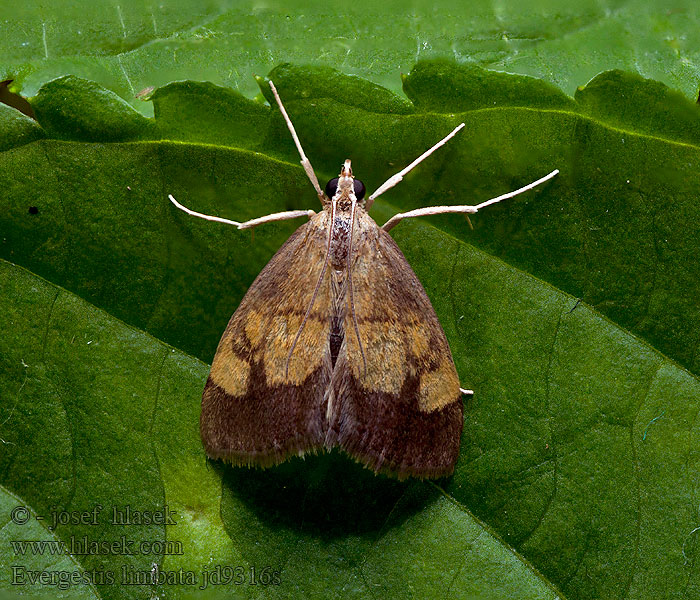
<point x="402" y="414"/>
<point x="256" y="409"/>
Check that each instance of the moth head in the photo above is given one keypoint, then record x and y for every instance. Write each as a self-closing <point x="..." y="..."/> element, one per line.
<point x="346" y="187"/>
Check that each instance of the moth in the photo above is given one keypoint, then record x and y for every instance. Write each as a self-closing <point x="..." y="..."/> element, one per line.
<point x="336" y="344"/>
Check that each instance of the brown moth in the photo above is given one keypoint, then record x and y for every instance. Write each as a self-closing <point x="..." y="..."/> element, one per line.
<point x="336" y="344"/>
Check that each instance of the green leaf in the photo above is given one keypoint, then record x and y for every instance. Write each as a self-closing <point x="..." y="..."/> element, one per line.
<point x="17" y="129"/>
<point x="104" y="417"/>
<point x="72" y="108"/>
<point x="446" y="87"/>
<point x="201" y="112"/>
<point x="313" y="83"/>
<point x="633" y="103"/>
<point x="132" y="45"/>
<point x="579" y="445"/>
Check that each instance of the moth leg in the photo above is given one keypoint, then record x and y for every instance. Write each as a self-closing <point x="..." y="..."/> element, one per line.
<point x="438" y="210"/>
<point x="466" y="392"/>
<point x="280" y="216"/>
<point x="304" y="161"/>
<point x="394" y="179"/>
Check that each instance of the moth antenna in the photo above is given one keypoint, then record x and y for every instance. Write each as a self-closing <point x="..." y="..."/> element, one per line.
<point x="394" y="179"/>
<point x="194" y="213"/>
<point x="304" y="161"/>
<point x="441" y="210"/>
<point x="318" y="286"/>
<point x="350" y="290"/>
<point x="280" y="216"/>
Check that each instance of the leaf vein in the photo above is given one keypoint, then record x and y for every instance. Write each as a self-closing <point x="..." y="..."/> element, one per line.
<point x="550" y="420"/>
<point x="636" y="469"/>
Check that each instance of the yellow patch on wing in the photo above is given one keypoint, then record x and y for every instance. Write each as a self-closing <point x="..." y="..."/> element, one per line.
<point x="308" y="353"/>
<point x="385" y="354"/>
<point x="228" y="371"/>
<point x="417" y="337"/>
<point x="438" y="388"/>
<point x="255" y="327"/>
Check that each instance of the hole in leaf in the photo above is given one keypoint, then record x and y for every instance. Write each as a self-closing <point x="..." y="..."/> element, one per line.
<point x="14" y="100"/>
<point x="145" y="93"/>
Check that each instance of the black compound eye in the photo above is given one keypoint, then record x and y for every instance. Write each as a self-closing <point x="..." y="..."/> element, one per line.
<point x="331" y="187"/>
<point x="359" y="189"/>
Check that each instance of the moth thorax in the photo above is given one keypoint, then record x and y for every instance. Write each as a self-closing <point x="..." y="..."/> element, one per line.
<point x="340" y="242"/>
